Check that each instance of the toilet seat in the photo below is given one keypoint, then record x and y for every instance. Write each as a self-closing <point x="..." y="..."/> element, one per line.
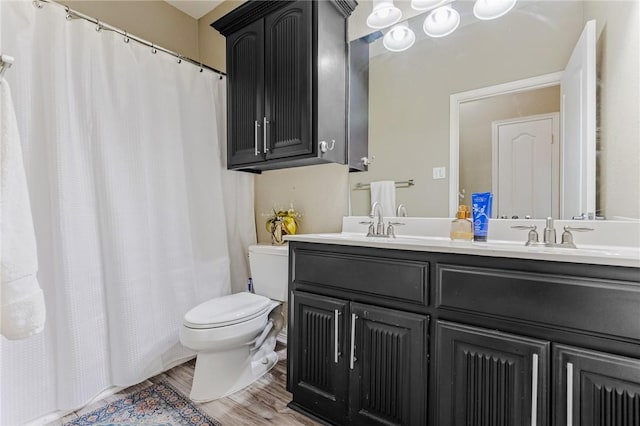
<point x="227" y="310"/>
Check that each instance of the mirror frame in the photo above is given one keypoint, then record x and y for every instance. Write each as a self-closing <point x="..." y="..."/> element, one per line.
<point x="456" y="99"/>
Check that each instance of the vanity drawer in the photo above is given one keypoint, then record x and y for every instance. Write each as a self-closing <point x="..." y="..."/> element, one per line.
<point x="391" y="278"/>
<point x="594" y="305"/>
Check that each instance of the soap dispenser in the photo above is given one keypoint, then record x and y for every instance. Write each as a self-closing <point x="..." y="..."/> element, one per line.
<point x="461" y="226"/>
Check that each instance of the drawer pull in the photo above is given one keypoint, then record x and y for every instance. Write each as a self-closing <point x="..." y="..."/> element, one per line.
<point x="569" y="394"/>
<point x="534" y="389"/>
<point x="336" y="341"/>
<point x="353" y="359"/>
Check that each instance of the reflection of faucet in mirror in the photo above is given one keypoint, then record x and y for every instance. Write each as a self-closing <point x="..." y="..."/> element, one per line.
<point x="410" y="101"/>
<point x="376" y="207"/>
<point x="402" y="211"/>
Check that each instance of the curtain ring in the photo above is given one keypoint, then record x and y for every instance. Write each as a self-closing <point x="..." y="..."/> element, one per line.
<point x="98" y="26"/>
<point x="220" y="76"/>
<point x="69" y="16"/>
<point x="153" y="49"/>
<point x="126" y="37"/>
<point x="179" y="59"/>
<point x="37" y="4"/>
<point x="201" y="69"/>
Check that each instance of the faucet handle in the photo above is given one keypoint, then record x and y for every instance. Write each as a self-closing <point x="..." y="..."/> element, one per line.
<point x="567" y="236"/>
<point x="532" y="237"/>
<point x="371" y="230"/>
<point x="390" y="230"/>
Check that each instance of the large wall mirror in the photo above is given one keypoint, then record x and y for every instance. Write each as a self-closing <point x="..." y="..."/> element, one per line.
<point x="494" y="83"/>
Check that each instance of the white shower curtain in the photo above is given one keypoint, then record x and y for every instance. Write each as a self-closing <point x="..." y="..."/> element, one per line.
<point x="133" y="225"/>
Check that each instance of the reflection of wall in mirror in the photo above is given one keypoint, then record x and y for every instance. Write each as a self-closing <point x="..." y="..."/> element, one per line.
<point x="618" y="161"/>
<point x="409" y="93"/>
<point x="476" y="118"/>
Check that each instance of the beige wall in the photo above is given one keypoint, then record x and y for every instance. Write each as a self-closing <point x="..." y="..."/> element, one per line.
<point x="154" y="21"/>
<point x="476" y="120"/>
<point x="318" y="192"/>
<point x="619" y="157"/>
<point x="212" y="43"/>
<point x="410" y="92"/>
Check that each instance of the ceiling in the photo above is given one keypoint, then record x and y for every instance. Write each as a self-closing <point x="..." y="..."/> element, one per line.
<point x="195" y="8"/>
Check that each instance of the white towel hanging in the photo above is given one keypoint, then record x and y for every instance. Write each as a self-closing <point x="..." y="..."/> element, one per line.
<point x="21" y="299"/>
<point x="384" y="192"/>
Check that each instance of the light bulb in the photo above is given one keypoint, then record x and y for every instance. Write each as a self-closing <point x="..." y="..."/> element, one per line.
<point x="492" y="9"/>
<point x="441" y="22"/>
<point x="384" y="14"/>
<point x="399" y="38"/>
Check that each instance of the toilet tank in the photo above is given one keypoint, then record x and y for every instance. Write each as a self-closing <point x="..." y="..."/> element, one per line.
<point x="270" y="270"/>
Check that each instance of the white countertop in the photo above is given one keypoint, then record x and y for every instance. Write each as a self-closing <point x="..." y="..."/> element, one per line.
<point x="590" y="254"/>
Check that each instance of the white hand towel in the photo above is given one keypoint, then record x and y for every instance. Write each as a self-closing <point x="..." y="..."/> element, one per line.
<point x="384" y="192"/>
<point x="21" y="299"/>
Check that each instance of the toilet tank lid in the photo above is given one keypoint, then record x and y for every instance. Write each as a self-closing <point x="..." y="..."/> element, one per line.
<point x="269" y="249"/>
<point x="226" y="310"/>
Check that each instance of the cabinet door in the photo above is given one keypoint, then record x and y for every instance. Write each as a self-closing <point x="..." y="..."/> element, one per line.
<point x="245" y="95"/>
<point x="594" y="388"/>
<point x="288" y="90"/>
<point x="489" y="378"/>
<point x="320" y="371"/>
<point x="388" y="362"/>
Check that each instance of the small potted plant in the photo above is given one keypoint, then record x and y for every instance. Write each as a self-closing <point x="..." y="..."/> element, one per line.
<point x="281" y="223"/>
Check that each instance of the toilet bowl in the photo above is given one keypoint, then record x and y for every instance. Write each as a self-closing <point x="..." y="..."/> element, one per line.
<point x="235" y="335"/>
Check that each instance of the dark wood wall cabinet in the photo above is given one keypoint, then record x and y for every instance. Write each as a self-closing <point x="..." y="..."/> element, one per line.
<point x="287" y="83"/>
<point x="413" y="338"/>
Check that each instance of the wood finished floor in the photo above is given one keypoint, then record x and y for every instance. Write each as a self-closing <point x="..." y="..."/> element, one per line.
<point x="262" y="403"/>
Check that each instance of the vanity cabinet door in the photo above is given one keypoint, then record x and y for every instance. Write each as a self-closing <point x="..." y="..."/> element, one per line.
<point x="388" y="365"/>
<point x="245" y="98"/>
<point x="489" y="378"/>
<point x="320" y="380"/>
<point x="595" y="388"/>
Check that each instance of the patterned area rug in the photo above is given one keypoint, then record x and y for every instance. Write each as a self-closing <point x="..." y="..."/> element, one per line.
<point x="157" y="405"/>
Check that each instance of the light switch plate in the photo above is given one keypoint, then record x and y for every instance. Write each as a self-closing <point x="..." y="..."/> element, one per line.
<point x="439" y="173"/>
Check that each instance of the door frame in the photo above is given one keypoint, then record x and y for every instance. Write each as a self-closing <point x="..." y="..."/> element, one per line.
<point x="539" y="82"/>
<point x="555" y="159"/>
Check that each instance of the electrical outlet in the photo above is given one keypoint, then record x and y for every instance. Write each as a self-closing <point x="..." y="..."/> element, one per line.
<point x="439" y="173"/>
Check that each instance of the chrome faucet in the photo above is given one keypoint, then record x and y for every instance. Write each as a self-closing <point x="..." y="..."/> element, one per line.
<point x="376" y="208"/>
<point x="550" y="235"/>
<point x="402" y="211"/>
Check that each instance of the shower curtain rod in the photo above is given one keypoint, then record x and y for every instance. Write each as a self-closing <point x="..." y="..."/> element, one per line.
<point x="72" y="14"/>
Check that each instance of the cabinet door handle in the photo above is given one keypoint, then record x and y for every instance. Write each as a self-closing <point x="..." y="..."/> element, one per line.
<point x="336" y="341"/>
<point x="569" y="394"/>
<point x="265" y="144"/>
<point x="255" y="137"/>
<point x="353" y="359"/>
<point x="534" y="389"/>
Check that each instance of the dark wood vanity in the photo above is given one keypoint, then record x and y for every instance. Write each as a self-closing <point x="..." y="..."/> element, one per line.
<point x="383" y="336"/>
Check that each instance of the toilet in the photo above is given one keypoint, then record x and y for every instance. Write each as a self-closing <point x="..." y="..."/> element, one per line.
<point x="234" y="336"/>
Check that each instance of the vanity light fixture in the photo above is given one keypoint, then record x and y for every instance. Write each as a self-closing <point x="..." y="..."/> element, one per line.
<point x="399" y="38"/>
<point x="441" y="22"/>
<point x="384" y="14"/>
<point x="427" y="4"/>
<point x="492" y="9"/>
